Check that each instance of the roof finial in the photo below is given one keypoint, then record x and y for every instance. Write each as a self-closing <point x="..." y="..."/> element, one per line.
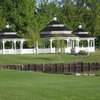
<point x="80" y="26"/>
<point x="55" y="18"/>
<point x="7" y="26"/>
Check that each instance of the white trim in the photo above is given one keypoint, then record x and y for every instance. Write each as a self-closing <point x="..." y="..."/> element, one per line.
<point x="64" y="38"/>
<point x="67" y="38"/>
<point x="9" y="33"/>
<point x="86" y="38"/>
<point x="56" y="25"/>
<point x="57" y="32"/>
<point x="81" y="32"/>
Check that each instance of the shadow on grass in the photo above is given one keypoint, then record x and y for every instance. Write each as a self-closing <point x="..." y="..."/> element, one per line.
<point x="40" y="58"/>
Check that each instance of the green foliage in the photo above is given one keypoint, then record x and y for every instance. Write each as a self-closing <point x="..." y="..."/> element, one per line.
<point x="19" y="13"/>
<point x="37" y="13"/>
<point x="59" y="44"/>
<point x="32" y="37"/>
<point x="44" y="44"/>
<point x="2" y="19"/>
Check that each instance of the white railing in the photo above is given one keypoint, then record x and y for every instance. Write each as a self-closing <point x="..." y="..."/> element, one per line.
<point x="45" y="50"/>
<point x="53" y="50"/>
<point x="28" y="51"/>
<point x="68" y="50"/>
<point x="87" y="49"/>
<point x="10" y="51"/>
<point x="0" y="51"/>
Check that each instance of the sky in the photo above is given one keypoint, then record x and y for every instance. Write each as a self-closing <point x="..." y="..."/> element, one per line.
<point x="48" y="0"/>
<point x="45" y="0"/>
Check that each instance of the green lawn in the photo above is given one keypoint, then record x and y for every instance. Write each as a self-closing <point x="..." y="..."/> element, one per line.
<point x="48" y="58"/>
<point x="21" y="85"/>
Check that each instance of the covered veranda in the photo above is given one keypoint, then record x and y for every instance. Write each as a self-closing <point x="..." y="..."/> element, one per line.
<point x="72" y="45"/>
<point x="11" y="46"/>
<point x="74" y="41"/>
<point x="10" y="42"/>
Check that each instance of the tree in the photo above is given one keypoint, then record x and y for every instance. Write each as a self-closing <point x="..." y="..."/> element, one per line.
<point x="33" y="38"/>
<point x="46" y="10"/>
<point x="93" y="22"/>
<point x="2" y="20"/>
<point x="59" y="44"/>
<point x="19" y="13"/>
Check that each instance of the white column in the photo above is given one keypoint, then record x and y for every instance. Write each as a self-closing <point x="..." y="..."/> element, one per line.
<point x="77" y="46"/>
<point x="12" y="45"/>
<point x="94" y="43"/>
<point x="68" y="43"/>
<point x="77" y="43"/>
<point x="73" y="42"/>
<point x="65" y="49"/>
<point x="21" y="45"/>
<point x="88" y="46"/>
<point x="36" y="47"/>
<point x="88" y="43"/>
<point x="3" y="47"/>
<point x="91" y="43"/>
<point x="50" y="45"/>
<point x="70" y="46"/>
<point x="12" y="51"/>
<point x="15" y="45"/>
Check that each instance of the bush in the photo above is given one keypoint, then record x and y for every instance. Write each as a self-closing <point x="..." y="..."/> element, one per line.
<point x="81" y="52"/>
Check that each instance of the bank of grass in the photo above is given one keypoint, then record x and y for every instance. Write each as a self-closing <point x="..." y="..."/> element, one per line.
<point x="20" y="85"/>
<point x="48" y="58"/>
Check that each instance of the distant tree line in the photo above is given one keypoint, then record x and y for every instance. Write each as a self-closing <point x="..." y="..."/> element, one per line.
<point x="24" y="15"/>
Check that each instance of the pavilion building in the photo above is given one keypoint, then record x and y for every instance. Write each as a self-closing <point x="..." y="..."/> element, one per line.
<point x="10" y="42"/>
<point x="76" y="41"/>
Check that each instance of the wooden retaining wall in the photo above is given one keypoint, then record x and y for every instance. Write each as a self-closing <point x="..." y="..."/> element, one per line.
<point x="65" y="68"/>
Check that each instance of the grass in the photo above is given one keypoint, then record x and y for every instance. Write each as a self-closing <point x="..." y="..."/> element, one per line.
<point x="21" y="85"/>
<point x="48" y="58"/>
